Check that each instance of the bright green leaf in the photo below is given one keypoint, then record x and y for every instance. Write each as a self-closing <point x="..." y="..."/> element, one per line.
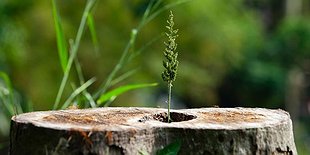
<point x="171" y="149"/>
<point x="8" y="104"/>
<point x="122" y="89"/>
<point x="61" y="44"/>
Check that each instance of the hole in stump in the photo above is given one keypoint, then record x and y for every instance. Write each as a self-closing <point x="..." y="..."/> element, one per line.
<point x="163" y="117"/>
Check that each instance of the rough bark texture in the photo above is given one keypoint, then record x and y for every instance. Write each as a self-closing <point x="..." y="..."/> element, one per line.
<point x="131" y="131"/>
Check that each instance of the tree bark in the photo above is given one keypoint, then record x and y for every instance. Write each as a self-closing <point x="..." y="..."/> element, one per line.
<point x="132" y="131"/>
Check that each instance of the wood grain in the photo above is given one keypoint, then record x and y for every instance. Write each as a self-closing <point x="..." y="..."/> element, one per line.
<point x="133" y="130"/>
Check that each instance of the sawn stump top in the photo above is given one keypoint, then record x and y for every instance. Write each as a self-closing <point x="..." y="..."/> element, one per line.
<point x="101" y="119"/>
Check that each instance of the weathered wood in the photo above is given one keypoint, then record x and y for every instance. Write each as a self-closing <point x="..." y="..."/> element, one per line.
<point x="134" y="130"/>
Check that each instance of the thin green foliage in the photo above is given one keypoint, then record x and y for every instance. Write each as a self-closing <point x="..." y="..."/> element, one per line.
<point x="171" y="149"/>
<point x="119" y="65"/>
<point x="73" y="50"/>
<point x="61" y="43"/>
<point x="144" y="47"/>
<point x="171" y="55"/>
<point x="6" y="93"/>
<point x="150" y="13"/>
<point x="77" y="91"/>
<point x="128" y="53"/>
<point x="78" y="69"/>
<point x="117" y="91"/>
<point x="92" y="29"/>
<point x="9" y="98"/>
<point x="156" y="10"/>
<point x="123" y="59"/>
<point x="123" y="76"/>
<point x="85" y="93"/>
<point x="147" y="13"/>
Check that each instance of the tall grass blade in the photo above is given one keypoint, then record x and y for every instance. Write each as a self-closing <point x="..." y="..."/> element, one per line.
<point x="73" y="51"/>
<point x="4" y="101"/>
<point x="81" y="79"/>
<point x="6" y="104"/>
<point x="92" y="29"/>
<point x="77" y="91"/>
<point x="164" y="8"/>
<point x="146" y="13"/>
<point x="144" y="47"/>
<point x="156" y="5"/>
<point x="79" y="72"/>
<point x="61" y="43"/>
<point x="120" y="90"/>
<point x="7" y="91"/>
<point x="150" y="13"/>
<point x="7" y="82"/>
<point x="119" y="65"/>
<point x="90" y="99"/>
<point x="123" y="59"/>
<point x="123" y="76"/>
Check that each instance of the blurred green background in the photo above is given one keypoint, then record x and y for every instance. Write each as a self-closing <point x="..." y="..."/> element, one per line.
<point x="251" y="53"/>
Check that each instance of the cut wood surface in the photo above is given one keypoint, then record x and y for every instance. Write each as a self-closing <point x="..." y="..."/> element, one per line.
<point x="134" y="131"/>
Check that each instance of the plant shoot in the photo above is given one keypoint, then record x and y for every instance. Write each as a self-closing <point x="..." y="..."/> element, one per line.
<point x="171" y="55"/>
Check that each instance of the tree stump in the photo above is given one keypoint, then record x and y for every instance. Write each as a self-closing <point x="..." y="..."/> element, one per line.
<point x="133" y="131"/>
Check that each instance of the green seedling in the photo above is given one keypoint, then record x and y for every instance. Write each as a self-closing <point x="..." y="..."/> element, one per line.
<point x="171" y="64"/>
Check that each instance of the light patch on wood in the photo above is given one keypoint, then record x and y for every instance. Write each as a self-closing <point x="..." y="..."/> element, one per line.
<point x="232" y="117"/>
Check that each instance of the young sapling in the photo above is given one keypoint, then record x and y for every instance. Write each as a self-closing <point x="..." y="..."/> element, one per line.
<point x="171" y="55"/>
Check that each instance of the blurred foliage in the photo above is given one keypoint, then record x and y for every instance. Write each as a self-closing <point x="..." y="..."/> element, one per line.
<point x="212" y="44"/>
<point x="231" y="52"/>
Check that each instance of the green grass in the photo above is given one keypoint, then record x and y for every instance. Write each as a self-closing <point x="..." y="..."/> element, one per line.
<point x="73" y="50"/>
<point x="76" y="92"/>
<point x="8" y="96"/>
<point x="10" y="104"/>
<point x="61" y="40"/>
<point x="111" y="95"/>
<point x="171" y="149"/>
<point x="102" y="96"/>
<point x="92" y="29"/>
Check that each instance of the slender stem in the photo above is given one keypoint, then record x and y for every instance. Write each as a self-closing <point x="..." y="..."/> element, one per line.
<point x="144" y="47"/>
<point x="119" y="65"/>
<point x="169" y="100"/>
<point x="130" y="44"/>
<point x="147" y="17"/>
<point x="77" y="92"/>
<point x="81" y="79"/>
<point x="73" y="52"/>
